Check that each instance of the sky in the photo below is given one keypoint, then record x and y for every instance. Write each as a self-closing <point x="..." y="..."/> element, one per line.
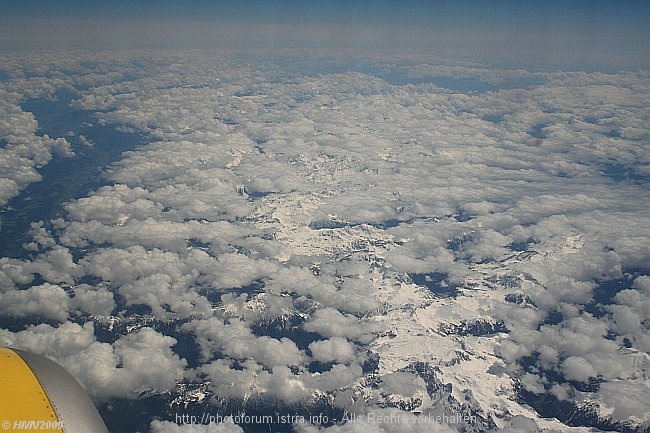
<point x="579" y="32"/>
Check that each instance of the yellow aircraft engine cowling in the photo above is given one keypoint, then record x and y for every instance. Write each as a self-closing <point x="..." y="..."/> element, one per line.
<point x="38" y="394"/>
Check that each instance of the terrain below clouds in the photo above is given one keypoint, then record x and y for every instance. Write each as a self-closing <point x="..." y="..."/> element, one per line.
<point x="303" y="234"/>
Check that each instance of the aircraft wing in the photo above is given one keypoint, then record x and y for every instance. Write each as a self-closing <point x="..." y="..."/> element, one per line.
<point x="38" y="394"/>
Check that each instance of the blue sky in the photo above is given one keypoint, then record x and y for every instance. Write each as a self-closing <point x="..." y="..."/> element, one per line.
<point x="585" y="31"/>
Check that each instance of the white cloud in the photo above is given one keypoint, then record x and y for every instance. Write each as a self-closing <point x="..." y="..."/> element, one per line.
<point x="134" y="363"/>
<point x="252" y="381"/>
<point x="330" y="322"/>
<point x="228" y="382"/>
<point x="24" y="151"/>
<point x="403" y="383"/>
<point x="62" y="341"/>
<point x="562" y="391"/>
<point x="334" y="349"/>
<point x="642" y="283"/>
<point x="47" y="301"/>
<point x="56" y="266"/>
<point x="288" y="387"/>
<point x="93" y="300"/>
<point x="111" y="205"/>
<point x="260" y="308"/>
<point x="165" y="297"/>
<point x="12" y="272"/>
<point x="626" y="320"/>
<point x="338" y="377"/>
<point x="235" y="339"/>
<point x="628" y="400"/>
<point x="353" y="295"/>
<point x="533" y="383"/>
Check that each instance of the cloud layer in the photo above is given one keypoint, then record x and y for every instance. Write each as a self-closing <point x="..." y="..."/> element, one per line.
<point x="297" y="237"/>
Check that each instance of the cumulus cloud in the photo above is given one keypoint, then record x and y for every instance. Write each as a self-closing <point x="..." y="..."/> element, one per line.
<point x="47" y="301"/>
<point x="627" y="400"/>
<point x="251" y="381"/>
<point x="59" y="342"/>
<point x="135" y="363"/>
<point x="261" y="308"/>
<point x="330" y="322"/>
<point x="95" y="301"/>
<point x="24" y="150"/>
<point x="403" y="383"/>
<point x="235" y="339"/>
<point x="336" y="349"/>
